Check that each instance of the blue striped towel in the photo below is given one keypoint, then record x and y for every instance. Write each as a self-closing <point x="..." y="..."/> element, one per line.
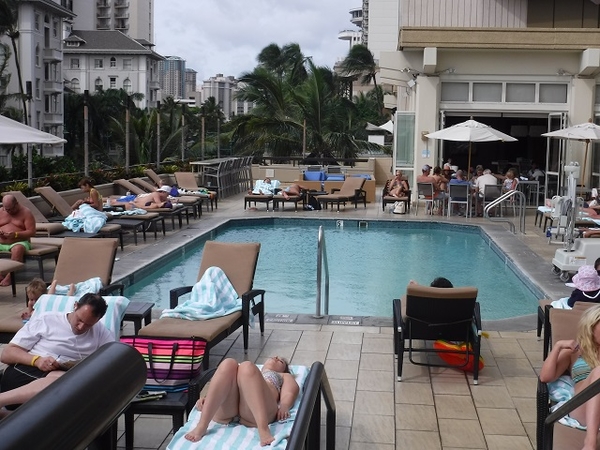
<point x="92" y="285"/>
<point x="236" y="436"/>
<point x="64" y="303"/>
<point x="86" y="218"/>
<point x="212" y="296"/>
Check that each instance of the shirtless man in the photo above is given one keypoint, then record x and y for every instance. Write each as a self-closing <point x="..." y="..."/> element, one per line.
<point x="150" y="200"/>
<point x="426" y="176"/>
<point x="17" y="226"/>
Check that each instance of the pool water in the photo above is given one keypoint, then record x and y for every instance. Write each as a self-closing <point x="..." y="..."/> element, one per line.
<point x="368" y="267"/>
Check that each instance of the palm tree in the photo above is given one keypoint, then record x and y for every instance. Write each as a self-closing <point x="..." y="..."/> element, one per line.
<point x="9" y="26"/>
<point x="361" y="64"/>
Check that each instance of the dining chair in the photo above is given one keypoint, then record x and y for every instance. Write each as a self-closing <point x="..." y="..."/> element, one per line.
<point x="459" y="194"/>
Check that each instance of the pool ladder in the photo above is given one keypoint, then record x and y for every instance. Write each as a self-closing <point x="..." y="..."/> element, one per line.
<point x="518" y="203"/>
<point x="322" y="272"/>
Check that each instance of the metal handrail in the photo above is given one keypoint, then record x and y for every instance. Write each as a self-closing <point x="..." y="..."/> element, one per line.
<point x="520" y="208"/>
<point x="322" y="266"/>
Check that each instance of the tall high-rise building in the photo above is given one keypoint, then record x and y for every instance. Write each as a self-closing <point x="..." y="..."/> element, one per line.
<point x="172" y="77"/>
<point x="222" y="89"/>
<point x="134" y="18"/>
<point x="190" y="83"/>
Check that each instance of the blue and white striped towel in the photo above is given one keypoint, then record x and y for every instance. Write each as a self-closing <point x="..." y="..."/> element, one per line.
<point x="236" y="436"/>
<point x="212" y="296"/>
<point x="64" y="303"/>
<point x="93" y="285"/>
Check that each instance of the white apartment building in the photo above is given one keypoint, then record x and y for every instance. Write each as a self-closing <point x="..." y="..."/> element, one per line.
<point x="354" y="36"/>
<point x="100" y="60"/>
<point x="39" y="47"/>
<point x="134" y="18"/>
<point x="223" y="89"/>
<point x="521" y="66"/>
<point x="190" y="84"/>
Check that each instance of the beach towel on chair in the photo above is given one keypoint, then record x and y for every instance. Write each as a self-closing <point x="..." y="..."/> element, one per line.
<point x="86" y="218"/>
<point x="212" y="296"/>
<point x="235" y="436"/>
<point x="93" y="285"/>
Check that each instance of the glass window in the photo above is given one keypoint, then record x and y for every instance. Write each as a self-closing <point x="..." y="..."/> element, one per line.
<point x="37" y="55"/>
<point x="98" y="63"/>
<point x="55" y="28"/>
<point x="46" y="103"/>
<point x="597" y="95"/>
<point x="112" y="82"/>
<point x="520" y="92"/>
<point x="127" y="85"/>
<point x="98" y="85"/>
<point x="127" y="64"/>
<point x="487" y="92"/>
<point x="75" y="84"/>
<point x="37" y="88"/>
<point x="405" y="138"/>
<point x="37" y="22"/>
<point x="455" y="92"/>
<point x="74" y="63"/>
<point x="113" y="62"/>
<point x="553" y="93"/>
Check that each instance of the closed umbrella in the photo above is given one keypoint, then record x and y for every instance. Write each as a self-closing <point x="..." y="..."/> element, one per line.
<point x="587" y="132"/>
<point x="470" y="131"/>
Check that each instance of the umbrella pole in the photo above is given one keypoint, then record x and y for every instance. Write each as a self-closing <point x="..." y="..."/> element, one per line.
<point x="469" y="163"/>
<point x="587" y="142"/>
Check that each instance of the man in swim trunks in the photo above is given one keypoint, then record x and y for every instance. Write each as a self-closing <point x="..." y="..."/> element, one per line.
<point x="17" y="226"/>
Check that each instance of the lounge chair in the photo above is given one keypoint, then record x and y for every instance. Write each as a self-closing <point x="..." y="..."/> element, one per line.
<point x="55" y="200"/>
<point x="187" y="181"/>
<point x="430" y="314"/>
<point x="79" y="260"/>
<point x="385" y="198"/>
<point x="238" y="261"/>
<point x="549" y="433"/>
<point x="351" y="190"/>
<point x="261" y="198"/>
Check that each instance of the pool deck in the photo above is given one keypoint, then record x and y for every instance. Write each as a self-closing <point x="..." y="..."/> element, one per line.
<point x="431" y="408"/>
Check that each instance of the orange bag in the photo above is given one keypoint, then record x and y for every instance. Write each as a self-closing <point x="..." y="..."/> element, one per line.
<point x="456" y="359"/>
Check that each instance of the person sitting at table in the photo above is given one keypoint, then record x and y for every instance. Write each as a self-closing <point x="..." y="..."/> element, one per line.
<point x="440" y="180"/>
<point x="509" y="181"/>
<point x="459" y="180"/>
<point x="535" y="173"/>
<point x="398" y="186"/>
<point x="447" y="171"/>
<point x="482" y="181"/>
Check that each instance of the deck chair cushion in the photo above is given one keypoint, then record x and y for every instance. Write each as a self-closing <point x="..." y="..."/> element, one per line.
<point x="64" y="303"/>
<point x="206" y="329"/>
<point x="75" y="264"/>
<point x="234" y="436"/>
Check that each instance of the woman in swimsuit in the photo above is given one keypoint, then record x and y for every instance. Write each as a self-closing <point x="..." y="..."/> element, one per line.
<point x="582" y="358"/>
<point x="398" y="186"/>
<point x="94" y="199"/>
<point x="257" y="397"/>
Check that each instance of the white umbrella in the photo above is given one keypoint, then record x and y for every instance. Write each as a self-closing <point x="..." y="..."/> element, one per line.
<point x="13" y="132"/>
<point x="470" y="131"/>
<point x="587" y="131"/>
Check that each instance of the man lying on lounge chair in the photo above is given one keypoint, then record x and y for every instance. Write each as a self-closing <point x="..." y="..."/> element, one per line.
<point x="150" y="200"/>
<point x="264" y="187"/>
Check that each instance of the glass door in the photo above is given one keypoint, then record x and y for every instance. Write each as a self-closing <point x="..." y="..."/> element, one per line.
<point x="555" y="155"/>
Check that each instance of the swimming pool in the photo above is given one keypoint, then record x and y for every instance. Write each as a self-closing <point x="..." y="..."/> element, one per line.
<point x="370" y="263"/>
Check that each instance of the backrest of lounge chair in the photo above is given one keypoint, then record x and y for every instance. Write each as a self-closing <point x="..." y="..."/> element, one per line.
<point x="564" y="323"/>
<point x="351" y="184"/>
<point x="24" y="201"/>
<point x="143" y="184"/>
<point x="238" y="260"/>
<point x="440" y="313"/>
<point x="186" y="180"/>
<point x="153" y="176"/>
<point x="83" y="258"/>
<point x="55" y="200"/>
<point x="129" y="186"/>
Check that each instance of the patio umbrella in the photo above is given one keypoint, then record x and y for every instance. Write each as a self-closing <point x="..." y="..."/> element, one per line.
<point x="587" y="131"/>
<point x="470" y="131"/>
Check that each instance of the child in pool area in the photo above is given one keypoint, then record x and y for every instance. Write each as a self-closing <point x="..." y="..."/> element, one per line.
<point x="257" y="397"/>
<point x="34" y="291"/>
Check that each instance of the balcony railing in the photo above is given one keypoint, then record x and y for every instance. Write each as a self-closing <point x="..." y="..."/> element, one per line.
<point x="121" y="4"/>
<point x="122" y="15"/>
<point x="52" y="55"/>
<point x="53" y="118"/>
<point x="53" y="86"/>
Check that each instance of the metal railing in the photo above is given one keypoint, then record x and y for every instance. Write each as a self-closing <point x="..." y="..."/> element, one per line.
<point x="519" y="205"/>
<point x="322" y="269"/>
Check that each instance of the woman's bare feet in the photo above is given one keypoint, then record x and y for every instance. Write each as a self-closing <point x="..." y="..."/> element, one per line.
<point x="265" y="437"/>
<point x="285" y="195"/>
<point x="196" y="434"/>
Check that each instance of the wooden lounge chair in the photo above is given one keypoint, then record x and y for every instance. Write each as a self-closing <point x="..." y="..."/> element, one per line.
<point x="59" y="204"/>
<point x="351" y="190"/>
<point x="238" y="261"/>
<point x="429" y="313"/>
<point x="385" y="198"/>
<point x="549" y="433"/>
<point x="79" y="260"/>
<point x="187" y="181"/>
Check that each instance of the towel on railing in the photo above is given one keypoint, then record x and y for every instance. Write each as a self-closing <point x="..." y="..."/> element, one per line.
<point x="235" y="435"/>
<point x="93" y="285"/>
<point x="86" y="218"/>
<point x="212" y="296"/>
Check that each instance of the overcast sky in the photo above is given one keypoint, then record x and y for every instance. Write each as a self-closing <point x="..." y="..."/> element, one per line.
<point x="225" y="36"/>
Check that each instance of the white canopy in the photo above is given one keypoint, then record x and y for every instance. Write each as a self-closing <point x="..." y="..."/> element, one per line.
<point x="13" y="132"/>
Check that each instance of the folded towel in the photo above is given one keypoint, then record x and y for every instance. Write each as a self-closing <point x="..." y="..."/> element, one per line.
<point x="561" y="303"/>
<point x="212" y="296"/>
<point x="93" y="285"/>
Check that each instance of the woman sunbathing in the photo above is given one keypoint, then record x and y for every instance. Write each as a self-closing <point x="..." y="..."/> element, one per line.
<point x="257" y="397"/>
<point x="292" y="191"/>
<point x="398" y="186"/>
<point x="582" y="359"/>
<point x="150" y="200"/>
